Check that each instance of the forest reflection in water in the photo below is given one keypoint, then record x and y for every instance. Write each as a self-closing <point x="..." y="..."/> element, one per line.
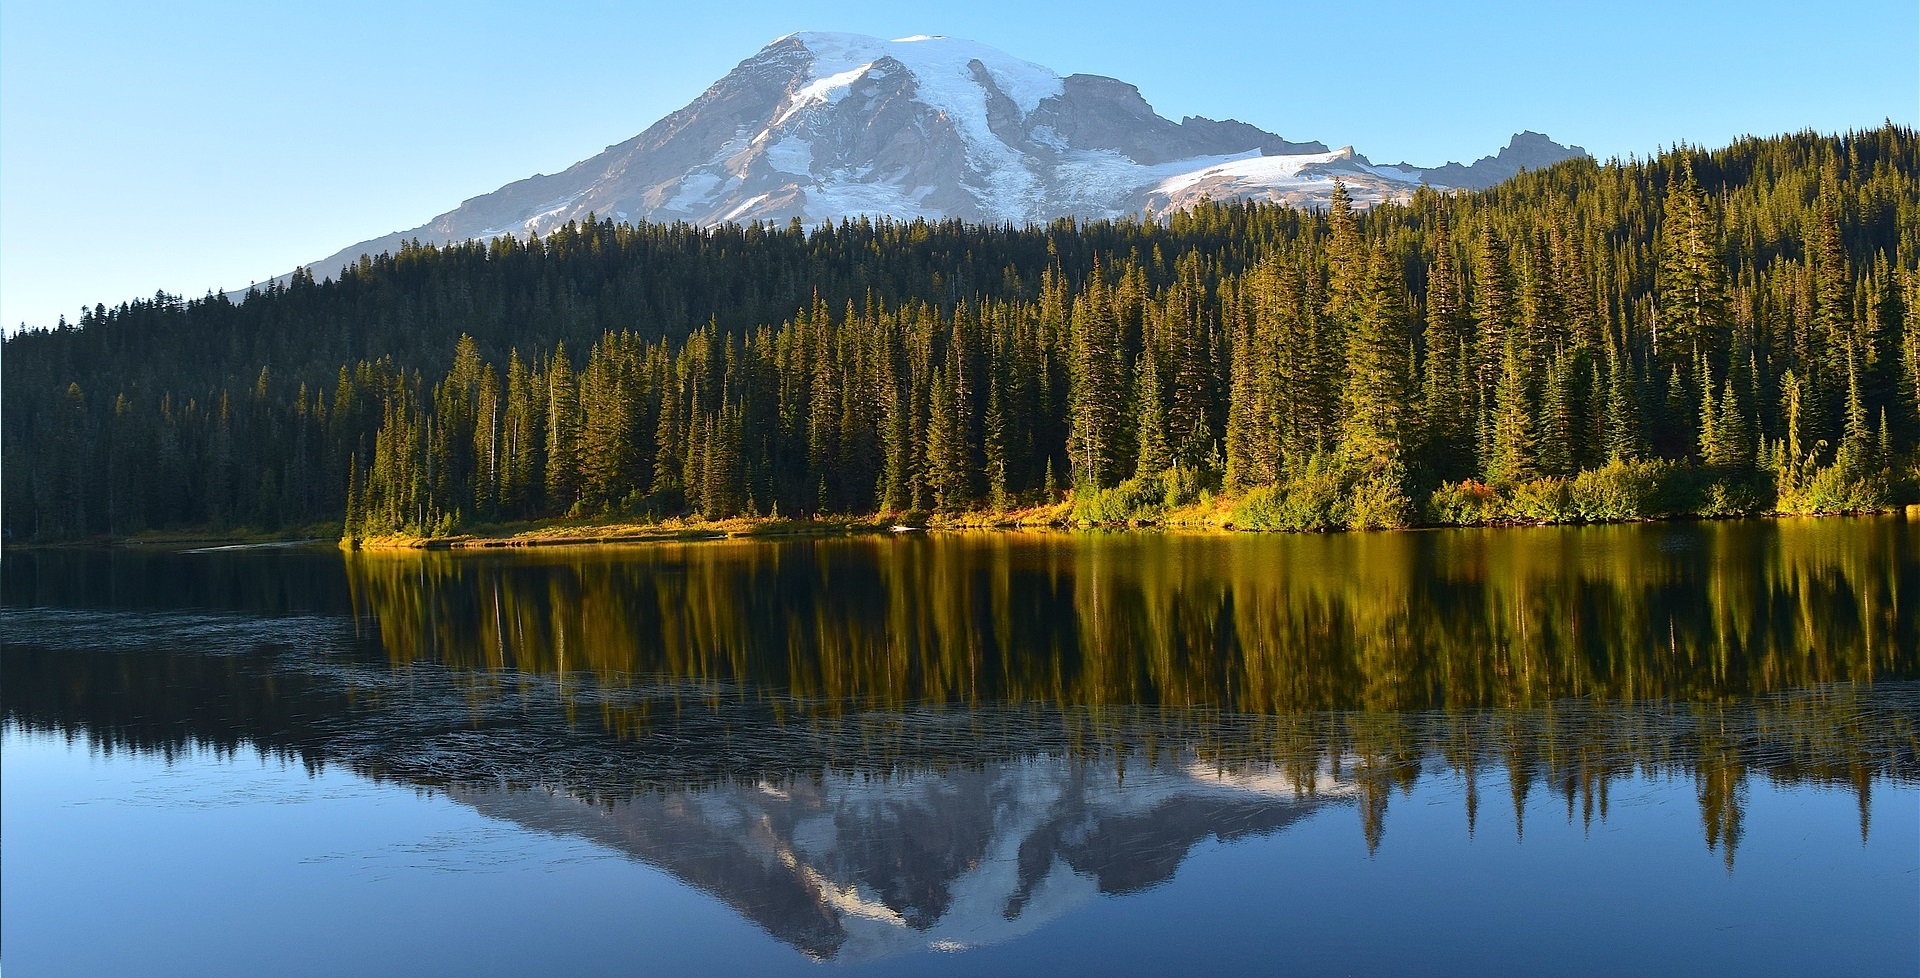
<point x="1273" y="625"/>
<point x="304" y="689"/>
<point x="857" y="834"/>
<point x="874" y="745"/>
<point x="1562" y="658"/>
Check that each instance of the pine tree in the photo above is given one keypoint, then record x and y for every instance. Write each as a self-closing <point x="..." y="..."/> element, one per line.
<point x="1733" y="436"/>
<point x="1347" y="262"/>
<point x="1151" y="455"/>
<point x="1188" y="392"/>
<point x="563" y="433"/>
<point x="607" y="439"/>
<point x="1623" y="441"/>
<point x="1558" y="428"/>
<point x="352" y="525"/>
<point x="1511" y="459"/>
<point x="487" y="447"/>
<point x="1711" y="447"/>
<point x="1495" y="322"/>
<point x="1446" y="394"/>
<point x="1378" y="403"/>
<point x="1855" y="443"/>
<point x="996" y="448"/>
<point x="1098" y="393"/>
<point x="522" y="486"/>
<point x="946" y="446"/>
<point x="1791" y="408"/>
<point x="669" y="431"/>
<point x="1691" y="279"/>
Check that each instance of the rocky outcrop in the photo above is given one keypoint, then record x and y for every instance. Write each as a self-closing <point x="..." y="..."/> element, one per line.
<point x="1526" y="151"/>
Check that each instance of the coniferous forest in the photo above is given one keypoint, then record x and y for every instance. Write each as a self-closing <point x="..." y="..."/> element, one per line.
<point x="1703" y="332"/>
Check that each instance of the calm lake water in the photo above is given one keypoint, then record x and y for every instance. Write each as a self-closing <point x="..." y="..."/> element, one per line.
<point x="1657" y="749"/>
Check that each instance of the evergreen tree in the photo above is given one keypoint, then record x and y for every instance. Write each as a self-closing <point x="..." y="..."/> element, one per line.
<point x="1622" y="412"/>
<point x="563" y="432"/>
<point x="1151" y="454"/>
<point x="1098" y="395"/>
<point x="1378" y="402"/>
<point x="1514" y="442"/>
<point x="1446" y="394"/>
<point x="946" y="446"/>
<point x="1692" y="281"/>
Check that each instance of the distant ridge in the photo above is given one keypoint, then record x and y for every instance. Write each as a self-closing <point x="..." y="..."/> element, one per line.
<point x="824" y="126"/>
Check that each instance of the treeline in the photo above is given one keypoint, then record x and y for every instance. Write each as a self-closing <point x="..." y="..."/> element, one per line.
<point x="1715" y="332"/>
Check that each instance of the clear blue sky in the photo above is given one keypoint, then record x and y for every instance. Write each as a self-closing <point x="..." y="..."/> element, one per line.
<point x="197" y="145"/>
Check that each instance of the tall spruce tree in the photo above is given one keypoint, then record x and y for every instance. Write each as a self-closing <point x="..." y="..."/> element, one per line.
<point x="1379" y="424"/>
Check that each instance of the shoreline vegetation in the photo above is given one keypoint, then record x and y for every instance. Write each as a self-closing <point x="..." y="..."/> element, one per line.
<point x="1453" y="507"/>
<point x="1206" y="515"/>
<point x="1326" y="497"/>
<point x="1320" y="500"/>
<point x="1209" y="517"/>
<point x="569" y="533"/>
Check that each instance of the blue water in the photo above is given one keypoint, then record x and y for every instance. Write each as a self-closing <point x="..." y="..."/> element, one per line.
<point x="1139" y="758"/>
<point x="231" y="863"/>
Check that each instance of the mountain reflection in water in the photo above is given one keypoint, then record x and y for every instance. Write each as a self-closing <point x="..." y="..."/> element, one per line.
<point x="855" y="866"/>
<point x="852" y="833"/>
<point x="871" y="746"/>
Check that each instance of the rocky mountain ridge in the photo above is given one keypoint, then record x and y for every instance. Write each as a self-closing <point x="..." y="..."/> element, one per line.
<point x="822" y="127"/>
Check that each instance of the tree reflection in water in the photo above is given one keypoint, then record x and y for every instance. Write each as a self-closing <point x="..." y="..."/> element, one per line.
<point x="854" y="740"/>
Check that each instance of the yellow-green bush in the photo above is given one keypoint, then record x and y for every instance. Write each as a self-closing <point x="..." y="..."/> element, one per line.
<point x="1141" y="499"/>
<point x="1379" y="501"/>
<point x="1466" y="503"/>
<point x="1618" y="491"/>
<point x="1317" y="497"/>
<point x="1545" y="500"/>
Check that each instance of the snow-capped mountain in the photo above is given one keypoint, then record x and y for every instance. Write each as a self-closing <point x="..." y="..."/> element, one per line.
<point x="824" y="126"/>
<point x="854" y="867"/>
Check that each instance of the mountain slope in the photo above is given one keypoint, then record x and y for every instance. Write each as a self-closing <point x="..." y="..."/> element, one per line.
<point x="823" y="126"/>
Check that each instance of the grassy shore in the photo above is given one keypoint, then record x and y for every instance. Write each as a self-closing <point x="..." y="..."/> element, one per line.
<point x="1212" y="514"/>
<point x="605" y="530"/>
<point x="1208" y="516"/>
<point x="563" y="532"/>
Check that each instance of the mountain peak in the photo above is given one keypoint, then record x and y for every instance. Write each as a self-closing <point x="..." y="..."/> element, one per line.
<point x="1527" y="150"/>
<point x="824" y="126"/>
<point x="939" y="62"/>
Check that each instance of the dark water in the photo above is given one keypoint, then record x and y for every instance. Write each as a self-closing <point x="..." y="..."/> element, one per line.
<point x="1662" y="749"/>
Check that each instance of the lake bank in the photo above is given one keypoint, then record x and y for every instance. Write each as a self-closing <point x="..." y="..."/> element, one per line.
<point x="1213" y="516"/>
<point x="614" y="530"/>
<point x="1209" y="517"/>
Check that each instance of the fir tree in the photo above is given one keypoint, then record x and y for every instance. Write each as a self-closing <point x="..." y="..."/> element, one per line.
<point x="563" y="432"/>
<point x="1378" y="401"/>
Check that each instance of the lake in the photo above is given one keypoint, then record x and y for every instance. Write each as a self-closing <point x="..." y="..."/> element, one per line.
<point x="1684" y="748"/>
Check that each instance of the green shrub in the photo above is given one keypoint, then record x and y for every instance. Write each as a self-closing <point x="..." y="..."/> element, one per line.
<point x="1836" y="489"/>
<point x="1545" y="500"/>
<point x="1184" y="484"/>
<point x="1258" y="509"/>
<point x="1466" y="503"/>
<point x="1316" y="497"/>
<point x="1141" y="499"/>
<point x="1379" y="501"/>
<point x="1728" y="496"/>
<point x="1617" y="491"/>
